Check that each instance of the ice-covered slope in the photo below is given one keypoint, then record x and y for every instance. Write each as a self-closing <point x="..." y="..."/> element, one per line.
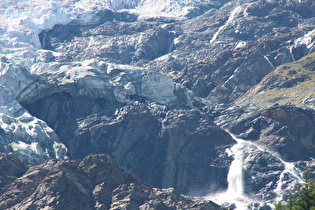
<point x="29" y="138"/>
<point x="20" y="50"/>
<point x="22" y="21"/>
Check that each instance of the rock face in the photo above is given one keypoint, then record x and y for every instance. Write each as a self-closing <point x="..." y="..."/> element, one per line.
<point x="228" y="75"/>
<point x="11" y="168"/>
<point x="289" y="83"/>
<point x="94" y="183"/>
<point x="231" y="46"/>
<point x="278" y="143"/>
<point x="142" y="119"/>
<point x="280" y="127"/>
<point x="142" y="42"/>
<point x="162" y="92"/>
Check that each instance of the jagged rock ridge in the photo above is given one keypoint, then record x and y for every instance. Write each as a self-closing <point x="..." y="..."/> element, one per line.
<point x="96" y="182"/>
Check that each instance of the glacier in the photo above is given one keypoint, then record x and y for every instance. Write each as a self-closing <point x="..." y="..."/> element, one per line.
<point x="22" y="21"/>
<point x="22" y="63"/>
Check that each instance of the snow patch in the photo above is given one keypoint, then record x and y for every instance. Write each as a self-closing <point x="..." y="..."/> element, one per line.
<point x="25" y="148"/>
<point x="164" y="8"/>
<point x="60" y="150"/>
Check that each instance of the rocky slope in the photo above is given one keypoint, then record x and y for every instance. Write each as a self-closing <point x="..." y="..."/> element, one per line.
<point x="164" y="92"/>
<point x="141" y="118"/>
<point x="289" y="83"/>
<point x="238" y="43"/>
<point x="96" y="182"/>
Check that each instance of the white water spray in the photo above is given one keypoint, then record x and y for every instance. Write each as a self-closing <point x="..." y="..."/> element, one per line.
<point x="243" y="152"/>
<point x="291" y="53"/>
<point x="235" y="175"/>
<point x="289" y="169"/>
<point x="235" y="191"/>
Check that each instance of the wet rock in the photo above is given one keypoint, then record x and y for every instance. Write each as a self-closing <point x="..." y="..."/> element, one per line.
<point x="165" y="147"/>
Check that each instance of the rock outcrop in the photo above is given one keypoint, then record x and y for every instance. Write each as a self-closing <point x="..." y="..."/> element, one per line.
<point x="231" y="46"/>
<point x="11" y="168"/>
<point x="287" y="129"/>
<point x="94" y="183"/>
<point x="147" y="123"/>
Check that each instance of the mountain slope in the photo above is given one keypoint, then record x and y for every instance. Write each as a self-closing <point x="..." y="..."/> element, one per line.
<point x="289" y="83"/>
<point x="184" y="93"/>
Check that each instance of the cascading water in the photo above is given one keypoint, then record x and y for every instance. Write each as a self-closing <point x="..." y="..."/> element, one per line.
<point x="235" y="175"/>
<point x="290" y="170"/>
<point x="235" y="191"/>
<point x="247" y="155"/>
<point x="269" y="62"/>
<point x="291" y="53"/>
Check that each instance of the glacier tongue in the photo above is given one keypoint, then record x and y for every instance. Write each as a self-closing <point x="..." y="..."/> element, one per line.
<point x="29" y="138"/>
<point x="97" y="79"/>
<point x="23" y="65"/>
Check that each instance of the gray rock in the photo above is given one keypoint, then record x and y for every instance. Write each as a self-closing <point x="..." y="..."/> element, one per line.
<point x="280" y="127"/>
<point x="94" y="183"/>
<point x="154" y="125"/>
<point x="165" y="147"/>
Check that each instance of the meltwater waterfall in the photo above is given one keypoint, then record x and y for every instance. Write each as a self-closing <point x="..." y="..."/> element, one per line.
<point x="268" y="177"/>
<point x="235" y="191"/>
<point x="235" y="175"/>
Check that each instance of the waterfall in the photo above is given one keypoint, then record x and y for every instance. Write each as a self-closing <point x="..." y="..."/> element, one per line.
<point x="244" y="153"/>
<point x="267" y="59"/>
<point x="291" y="53"/>
<point x="289" y="169"/>
<point x="235" y="191"/>
<point x="235" y="175"/>
<point x="171" y="46"/>
<point x="44" y="40"/>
